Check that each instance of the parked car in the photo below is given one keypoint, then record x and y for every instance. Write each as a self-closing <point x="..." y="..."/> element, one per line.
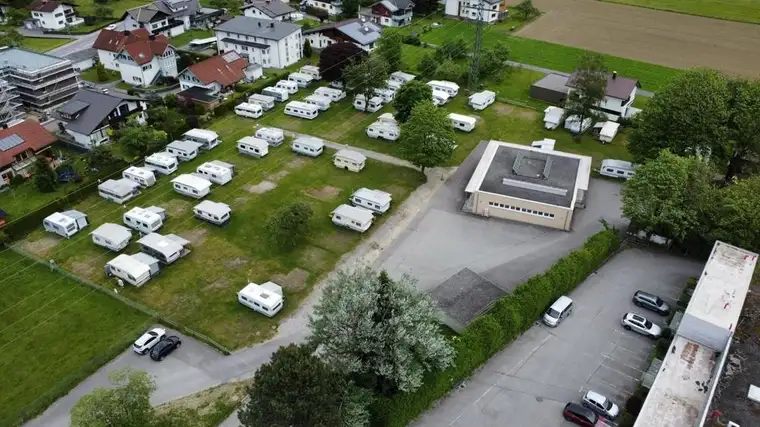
<point x="651" y="302"/>
<point x="577" y="414"/>
<point x="111" y="27"/>
<point x="600" y="404"/>
<point x="164" y="348"/>
<point x="148" y="340"/>
<point x="640" y="324"/>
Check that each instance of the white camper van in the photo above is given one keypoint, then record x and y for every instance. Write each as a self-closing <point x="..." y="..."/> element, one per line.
<point x="357" y="219"/>
<point x="334" y="94"/>
<point x="119" y="191"/>
<point x="479" y="101"/>
<point x="451" y="88"/>
<point x="215" y="173"/>
<point x="440" y="97"/>
<point x="213" y="212"/>
<point x="311" y="70"/>
<point x="143" y="220"/>
<point x="273" y="136"/>
<point x="553" y="117"/>
<point x="163" y="163"/>
<point x="266" y="102"/>
<point x="321" y="102"/>
<point x="191" y="185"/>
<point x="301" y="79"/>
<point x="308" y="145"/>
<point x="253" y="111"/>
<point x="401" y="77"/>
<point x="166" y="249"/>
<point x="374" y="200"/>
<point x="375" y="103"/>
<point x="65" y="224"/>
<point x="281" y="95"/>
<point x="252" y="146"/>
<point x="207" y="138"/>
<point x="301" y="109"/>
<point x="617" y="169"/>
<point x="288" y="86"/>
<point x="349" y="160"/>
<point x="142" y="176"/>
<point x="184" y="150"/>
<point x="111" y="236"/>
<point x="384" y="130"/>
<point x="266" y="299"/>
<point x="462" y="122"/>
<point x="128" y="269"/>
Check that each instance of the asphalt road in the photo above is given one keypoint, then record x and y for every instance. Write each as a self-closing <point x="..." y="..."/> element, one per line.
<point x="80" y="42"/>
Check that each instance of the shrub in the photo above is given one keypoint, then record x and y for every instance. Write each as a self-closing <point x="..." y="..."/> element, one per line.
<point x="633" y="405"/>
<point x="626" y="420"/>
<point x="413" y="40"/>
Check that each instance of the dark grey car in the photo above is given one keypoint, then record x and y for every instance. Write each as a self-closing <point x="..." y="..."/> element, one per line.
<point x="651" y="302"/>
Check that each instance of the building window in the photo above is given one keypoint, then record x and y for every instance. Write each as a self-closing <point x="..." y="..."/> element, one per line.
<point x="521" y="210"/>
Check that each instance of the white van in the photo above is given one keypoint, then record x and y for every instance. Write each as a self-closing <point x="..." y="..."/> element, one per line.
<point x="266" y="102"/>
<point x="266" y="299"/>
<point x="252" y="146"/>
<point x="281" y="95"/>
<point x="207" y="138"/>
<point x="273" y="136"/>
<point x="308" y="145"/>
<point x="617" y="169"/>
<point x="374" y="200"/>
<point x="301" y="79"/>
<point x="288" y="86"/>
<point x="311" y="70"/>
<point x="479" y="101"/>
<point x="301" y="109"/>
<point x="349" y="160"/>
<point x="383" y="130"/>
<point x="462" y="122"/>
<point x="183" y="150"/>
<point x="321" y="102"/>
<point x="357" y="219"/>
<point x="440" y="97"/>
<point x="558" y="312"/>
<point x="375" y="103"/>
<point x="451" y="88"/>
<point x="213" y="212"/>
<point x="142" y="220"/>
<point x="191" y="185"/>
<point x="253" y="111"/>
<point x="163" y="163"/>
<point x="142" y="176"/>
<point x="334" y="94"/>
<point x="215" y="173"/>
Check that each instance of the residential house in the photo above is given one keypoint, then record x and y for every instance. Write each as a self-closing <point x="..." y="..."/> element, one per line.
<point x="84" y="59"/>
<point x="88" y="116"/>
<point x="53" y="15"/>
<point x="362" y="34"/>
<point x="110" y="43"/>
<point x="489" y="11"/>
<point x="40" y="81"/>
<point x="139" y="56"/>
<point x="170" y="17"/>
<point x="389" y="13"/>
<point x="618" y="95"/>
<point x="219" y="73"/>
<point x="271" y="9"/>
<point x="333" y="7"/>
<point x="271" y="44"/>
<point x="19" y="145"/>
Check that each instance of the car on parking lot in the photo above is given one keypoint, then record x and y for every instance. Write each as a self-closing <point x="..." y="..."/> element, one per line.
<point x="600" y="404"/>
<point x="149" y="339"/>
<point x="558" y="311"/>
<point x="164" y="347"/>
<point x="638" y="323"/>
<point x="580" y="415"/>
<point x="651" y="302"/>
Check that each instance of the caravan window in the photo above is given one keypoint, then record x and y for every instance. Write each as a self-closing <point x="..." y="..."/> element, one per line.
<point x="338" y="217"/>
<point x="70" y="227"/>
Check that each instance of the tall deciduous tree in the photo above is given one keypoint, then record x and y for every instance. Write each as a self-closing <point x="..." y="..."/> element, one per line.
<point x="351" y="8"/>
<point x="425" y="7"/>
<point x="389" y="49"/>
<point x="453" y="49"/>
<point x="427" y="66"/>
<point x="335" y="58"/>
<point x="126" y="404"/>
<point x="743" y="126"/>
<point x="589" y="82"/>
<point x="380" y="330"/>
<point x="168" y="120"/>
<point x="296" y="388"/>
<point x="408" y="96"/>
<point x="102" y="156"/>
<point x="736" y="214"/>
<point x="11" y="37"/>
<point x="451" y="71"/>
<point x="493" y="61"/>
<point x="44" y="176"/>
<point x="140" y="140"/>
<point x="364" y="76"/>
<point x="289" y="226"/>
<point x="307" y="51"/>
<point x="525" y="10"/>
<point x="427" y="139"/>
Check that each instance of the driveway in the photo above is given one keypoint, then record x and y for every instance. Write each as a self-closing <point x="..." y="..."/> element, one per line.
<point x="530" y="381"/>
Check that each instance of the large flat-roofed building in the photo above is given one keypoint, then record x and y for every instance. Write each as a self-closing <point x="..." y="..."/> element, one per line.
<point x="528" y="184"/>
<point x="41" y="81"/>
<point x="686" y="380"/>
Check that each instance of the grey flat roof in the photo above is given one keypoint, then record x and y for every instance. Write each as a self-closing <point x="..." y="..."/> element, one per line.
<point x="562" y="173"/>
<point x="121" y="186"/>
<point x="258" y="27"/>
<point x="464" y="296"/>
<point x="27" y="60"/>
<point x="363" y="34"/>
<point x="555" y="82"/>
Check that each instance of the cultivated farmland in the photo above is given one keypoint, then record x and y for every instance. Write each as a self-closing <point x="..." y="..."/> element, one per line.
<point x="732" y="10"/>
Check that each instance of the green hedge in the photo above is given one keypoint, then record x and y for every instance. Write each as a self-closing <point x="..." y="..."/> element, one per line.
<point x="511" y="316"/>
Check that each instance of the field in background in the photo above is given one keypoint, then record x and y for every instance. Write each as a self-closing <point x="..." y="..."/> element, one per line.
<point x="39" y="44"/>
<point x="87" y="7"/>
<point x="190" y="35"/>
<point x="732" y="10"/>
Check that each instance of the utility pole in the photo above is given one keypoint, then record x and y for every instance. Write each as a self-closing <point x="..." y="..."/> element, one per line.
<point x="475" y="65"/>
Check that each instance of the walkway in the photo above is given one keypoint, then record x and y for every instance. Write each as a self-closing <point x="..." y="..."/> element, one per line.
<point x="385" y="158"/>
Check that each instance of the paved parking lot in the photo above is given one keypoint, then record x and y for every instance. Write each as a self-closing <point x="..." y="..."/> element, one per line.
<point x="529" y="382"/>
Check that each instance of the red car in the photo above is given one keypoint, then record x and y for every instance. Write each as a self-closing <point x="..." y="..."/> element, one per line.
<point x="578" y="414"/>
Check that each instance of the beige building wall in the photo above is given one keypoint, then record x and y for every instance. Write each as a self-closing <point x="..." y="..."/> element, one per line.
<point x="488" y="204"/>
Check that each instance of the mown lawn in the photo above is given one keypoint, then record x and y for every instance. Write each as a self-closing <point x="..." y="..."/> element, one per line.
<point x="39" y="44"/>
<point x="190" y="35"/>
<point x="732" y="10"/>
<point x="54" y="332"/>
<point x="91" y="75"/>
<point x="87" y="7"/>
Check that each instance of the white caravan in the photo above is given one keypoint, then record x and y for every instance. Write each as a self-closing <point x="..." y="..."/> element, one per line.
<point x="321" y="102"/>
<point x="479" y="101"/>
<point x="301" y="79"/>
<point x="393" y="85"/>
<point x="574" y="125"/>
<point x="213" y="212"/>
<point x="215" y="173"/>
<point x="288" y="86"/>
<point x="128" y="269"/>
<point x="462" y="122"/>
<point x="143" y="220"/>
<point x="374" y="200"/>
<point x="606" y="131"/>
<point x="387" y="118"/>
<point x="183" y="150"/>
<point x="311" y="70"/>
<point x="266" y="299"/>
<point x="451" y="88"/>
<point x="253" y="111"/>
<point x="375" y="103"/>
<point x="266" y="102"/>
<point x="163" y="163"/>
<point x="119" y="191"/>
<point x="617" y="169"/>
<point x="386" y="95"/>
<point x="357" y="219"/>
<point x="111" y="236"/>
<point x="281" y="95"/>
<point x="166" y="249"/>
<point x="207" y="138"/>
<point x="301" y="109"/>
<point x="384" y="130"/>
<point x="334" y="94"/>
<point x="440" y="97"/>
<point x="350" y="160"/>
<point x="553" y="117"/>
<point x="401" y="77"/>
<point x="143" y="176"/>
<point x="252" y="146"/>
<point x="65" y="224"/>
<point x="191" y="185"/>
<point x="275" y="137"/>
<point x="308" y="145"/>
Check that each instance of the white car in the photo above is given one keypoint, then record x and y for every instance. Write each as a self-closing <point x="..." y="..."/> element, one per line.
<point x="640" y="324"/>
<point x="111" y="27"/>
<point x="148" y="340"/>
<point x="600" y="404"/>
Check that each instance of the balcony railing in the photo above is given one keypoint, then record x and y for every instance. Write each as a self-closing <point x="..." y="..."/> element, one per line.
<point x="41" y="83"/>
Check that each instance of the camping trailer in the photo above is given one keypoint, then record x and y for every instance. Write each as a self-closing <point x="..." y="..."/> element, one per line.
<point x="311" y="70"/>
<point x="266" y="102"/>
<point x="357" y="219"/>
<point x="288" y="86"/>
<point x="401" y="77"/>
<point x="606" y="131"/>
<point x="383" y="130"/>
<point x="462" y="122"/>
<point x="393" y="85"/>
<point x="281" y="95"/>
<point x="207" y="138"/>
<point x="163" y="163"/>
<point x="617" y="169"/>
<point x="375" y="103"/>
<point x="374" y="200"/>
<point x="553" y="117"/>
<point x="440" y="97"/>
<point x="301" y="79"/>
<point x="574" y="125"/>
<point x="184" y="150"/>
<point x="191" y="185"/>
<point x="479" y="101"/>
<point x="321" y="102"/>
<point x="545" y="144"/>
<point x="451" y="88"/>
<point x="142" y="176"/>
<point x="143" y="220"/>
<point x="113" y="237"/>
<point x="252" y="146"/>
<point x="65" y="224"/>
<point x="119" y="190"/>
<point x="213" y="212"/>
<point x="253" y="111"/>
<point x="308" y="146"/>
<point x="215" y="173"/>
<point x="166" y="249"/>
<point x="128" y="269"/>
<point x="386" y="95"/>
<point x="301" y="109"/>
<point x="349" y="160"/>
<point x="225" y="165"/>
<point x="387" y="118"/>
<point x="334" y="94"/>
<point x="266" y="299"/>
<point x="153" y="264"/>
<point x="273" y="136"/>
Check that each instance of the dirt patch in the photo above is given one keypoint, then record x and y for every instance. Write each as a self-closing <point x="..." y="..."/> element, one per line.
<point x="196" y="236"/>
<point x="83" y="268"/>
<point x="525" y="113"/>
<point x="177" y="207"/>
<point x="503" y="109"/>
<point x="294" y="281"/>
<point x="206" y="401"/>
<point x="340" y="241"/>
<point x="296" y="163"/>
<point x="41" y="246"/>
<point x="217" y="284"/>
<point x="260" y="188"/>
<point x="314" y="257"/>
<point x="235" y="263"/>
<point x="324" y="193"/>
<point x="278" y="176"/>
<point x="239" y="201"/>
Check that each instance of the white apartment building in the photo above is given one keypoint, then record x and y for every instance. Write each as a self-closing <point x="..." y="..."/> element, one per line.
<point x="269" y="43"/>
<point x="53" y="15"/>
<point x="333" y="7"/>
<point x="489" y="11"/>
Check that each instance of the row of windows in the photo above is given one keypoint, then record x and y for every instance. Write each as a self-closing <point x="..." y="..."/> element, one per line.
<point x="521" y="210"/>
<point x="185" y="188"/>
<point x="356" y="223"/>
<point x="298" y="111"/>
<point x="140" y="223"/>
<point x="208" y="215"/>
<point x="305" y="148"/>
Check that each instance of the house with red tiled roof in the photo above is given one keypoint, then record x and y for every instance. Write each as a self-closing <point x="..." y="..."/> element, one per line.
<point x="53" y="15"/>
<point x="110" y="43"/>
<point x="139" y="56"/>
<point x="219" y="73"/>
<point x="19" y="145"/>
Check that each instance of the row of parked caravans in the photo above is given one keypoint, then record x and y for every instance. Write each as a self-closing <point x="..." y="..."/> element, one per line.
<point x="156" y="250"/>
<point x="359" y="214"/>
<point x="443" y="91"/>
<point x="386" y="127"/>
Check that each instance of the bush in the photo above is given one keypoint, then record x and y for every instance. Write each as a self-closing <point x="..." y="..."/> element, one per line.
<point x="633" y="405"/>
<point x="413" y="40"/>
<point x="626" y="420"/>
<point x="317" y="12"/>
<point x="17" y="180"/>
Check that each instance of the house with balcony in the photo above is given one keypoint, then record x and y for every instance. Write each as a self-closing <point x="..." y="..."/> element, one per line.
<point x="39" y="82"/>
<point x="389" y="13"/>
<point x="271" y="9"/>
<point x="52" y="15"/>
<point x="619" y="95"/>
<point x="269" y="43"/>
<point x="489" y="11"/>
<point x="170" y="17"/>
<point x="19" y="146"/>
<point x="362" y="34"/>
<point x="88" y="116"/>
<point x="219" y="74"/>
<point x="139" y="56"/>
<point x="333" y="7"/>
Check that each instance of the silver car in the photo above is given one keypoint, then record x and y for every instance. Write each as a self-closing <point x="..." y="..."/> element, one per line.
<point x="638" y="323"/>
<point x="600" y="404"/>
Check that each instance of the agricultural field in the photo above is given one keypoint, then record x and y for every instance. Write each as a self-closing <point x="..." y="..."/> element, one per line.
<point x="39" y="44"/>
<point x="199" y="290"/>
<point x="732" y="10"/>
<point x="54" y="332"/>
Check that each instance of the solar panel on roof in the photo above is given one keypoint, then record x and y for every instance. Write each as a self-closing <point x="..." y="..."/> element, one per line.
<point x="10" y="141"/>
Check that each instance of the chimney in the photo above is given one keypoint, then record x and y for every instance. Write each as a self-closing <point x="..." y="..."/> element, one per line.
<point x="614" y="75"/>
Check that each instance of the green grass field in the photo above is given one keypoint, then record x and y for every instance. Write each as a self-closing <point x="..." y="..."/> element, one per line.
<point x="39" y="44"/>
<point x="87" y="7"/>
<point x="53" y="333"/>
<point x="190" y="35"/>
<point x="91" y="75"/>
<point x="732" y="10"/>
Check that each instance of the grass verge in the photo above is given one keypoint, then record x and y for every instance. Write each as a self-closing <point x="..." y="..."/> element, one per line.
<point x="211" y="406"/>
<point x="91" y="75"/>
<point x="39" y="44"/>
<point x="190" y="35"/>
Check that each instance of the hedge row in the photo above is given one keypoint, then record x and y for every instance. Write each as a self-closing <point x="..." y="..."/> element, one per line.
<point x="511" y="316"/>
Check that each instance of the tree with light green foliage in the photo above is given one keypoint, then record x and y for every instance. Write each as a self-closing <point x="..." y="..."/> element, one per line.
<point x="388" y="47"/>
<point x="140" y="140"/>
<point x="365" y="75"/>
<point x="289" y="226"/>
<point x="408" y="96"/>
<point x="427" y="139"/>
<point x="125" y="404"/>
